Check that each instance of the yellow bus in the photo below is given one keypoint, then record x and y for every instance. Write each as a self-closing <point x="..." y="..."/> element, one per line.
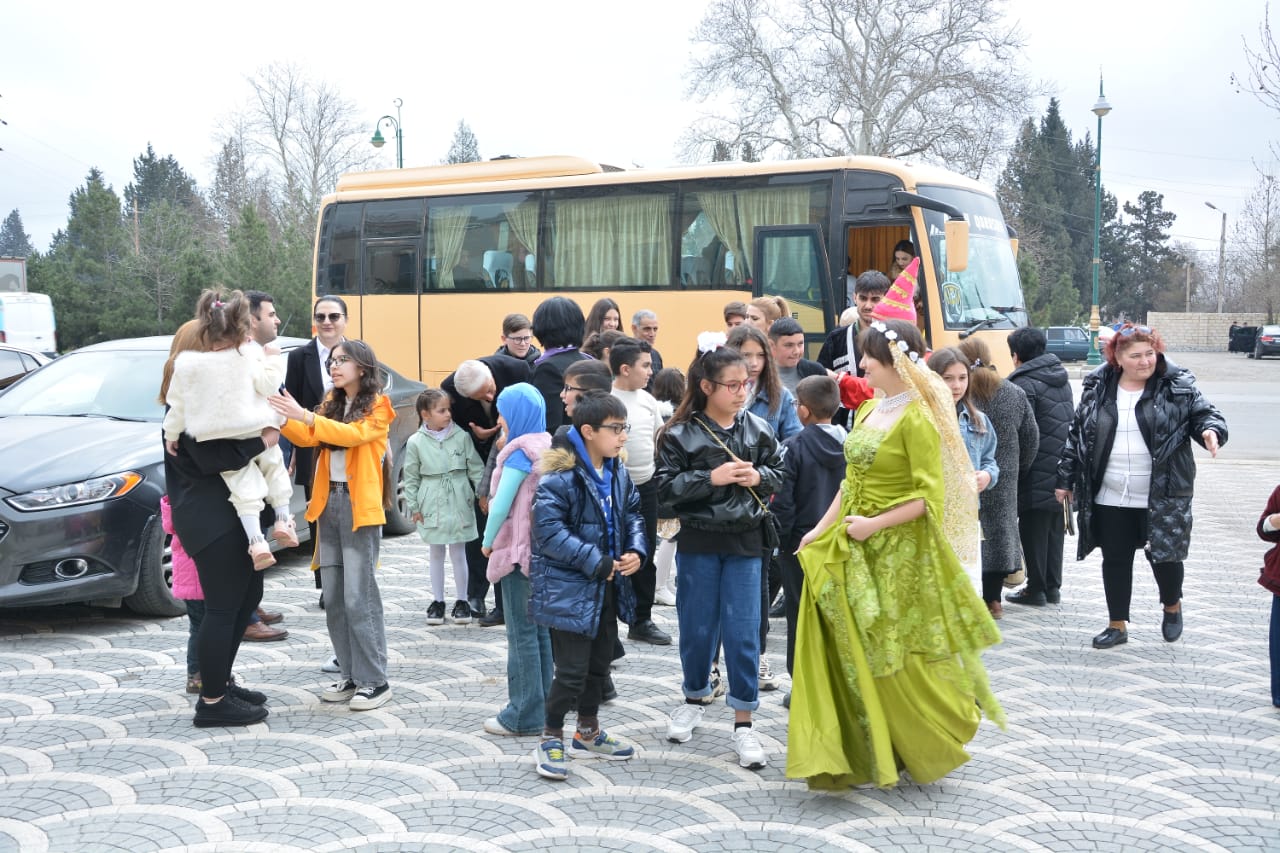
<point x="429" y="260"/>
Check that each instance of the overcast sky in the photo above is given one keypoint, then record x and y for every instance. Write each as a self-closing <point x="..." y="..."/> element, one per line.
<point x="90" y="84"/>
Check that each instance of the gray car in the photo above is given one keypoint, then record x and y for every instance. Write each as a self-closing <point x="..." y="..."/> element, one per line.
<point x="82" y="472"/>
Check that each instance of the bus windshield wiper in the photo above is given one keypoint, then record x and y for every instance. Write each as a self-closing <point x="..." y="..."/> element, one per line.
<point x="981" y="324"/>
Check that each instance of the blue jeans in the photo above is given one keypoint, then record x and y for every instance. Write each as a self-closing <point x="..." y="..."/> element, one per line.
<point x="1275" y="650"/>
<point x="529" y="667"/>
<point x="718" y="599"/>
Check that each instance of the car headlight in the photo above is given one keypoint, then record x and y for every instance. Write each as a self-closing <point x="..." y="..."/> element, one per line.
<point x="75" y="494"/>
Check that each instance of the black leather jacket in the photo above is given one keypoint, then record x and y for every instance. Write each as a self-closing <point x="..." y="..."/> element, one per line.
<point x="1171" y="414"/>
<point x="686" y="457"/>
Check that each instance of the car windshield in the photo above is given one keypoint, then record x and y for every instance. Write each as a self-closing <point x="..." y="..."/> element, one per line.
<point x="120" y="384"/>
<point x="989" y="288"/>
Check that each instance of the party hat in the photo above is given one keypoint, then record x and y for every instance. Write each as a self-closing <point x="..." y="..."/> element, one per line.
<point x="899" y="302"/>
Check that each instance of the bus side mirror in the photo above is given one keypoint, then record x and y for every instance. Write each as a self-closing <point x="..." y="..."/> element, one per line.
<point x="1013" y="244"/>
<point x="957" y="236"/>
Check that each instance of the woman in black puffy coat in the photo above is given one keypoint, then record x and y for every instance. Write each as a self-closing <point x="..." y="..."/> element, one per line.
<point x="1128" y="466"/>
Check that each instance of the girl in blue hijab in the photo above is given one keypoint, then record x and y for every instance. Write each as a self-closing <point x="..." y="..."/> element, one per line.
<point x="522" y="416"/>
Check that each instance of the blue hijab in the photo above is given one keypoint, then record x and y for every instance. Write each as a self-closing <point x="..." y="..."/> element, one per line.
<point x="523" y="408"/>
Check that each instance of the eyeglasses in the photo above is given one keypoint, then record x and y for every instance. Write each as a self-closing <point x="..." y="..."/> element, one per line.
<point x="732" y="387"/>
<point x="336" y="361"/>
<point x="1129" y="330"/>
<point x="618" y="429"/>
<point x="570" y="388"/>
<point x="521" y="339"/>
<point x="332" y="318"/>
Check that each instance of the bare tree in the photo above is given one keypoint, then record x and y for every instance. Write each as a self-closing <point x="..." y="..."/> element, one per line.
<point x="1254" y="280"/>
<point x="938" y="79"/>
<point x="1263" y="77"/>
<point x="303" y="133"/>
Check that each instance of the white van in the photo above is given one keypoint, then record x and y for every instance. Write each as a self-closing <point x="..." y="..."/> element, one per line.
<point x="26" y="320"/>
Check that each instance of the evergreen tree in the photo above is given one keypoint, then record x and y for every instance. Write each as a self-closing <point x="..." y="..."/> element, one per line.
<point x="465" y="148"/>
<point x="158" y="179"/>
<point x="14" y="241"/>
<point x="83" y="272"/>
<point x="1148" y="266"/>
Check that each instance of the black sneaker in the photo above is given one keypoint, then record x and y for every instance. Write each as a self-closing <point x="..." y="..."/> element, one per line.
<point x="244" y="694"/>
<point x="492" y="619"/>
<point x="461" y="612"/>
<point x="435" y="613"/>
<point x="228" y="711"/>
<point x="368" y="698"/>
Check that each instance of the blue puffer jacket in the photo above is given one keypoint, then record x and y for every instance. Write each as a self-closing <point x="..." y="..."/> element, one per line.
<point x="570" y="544"/>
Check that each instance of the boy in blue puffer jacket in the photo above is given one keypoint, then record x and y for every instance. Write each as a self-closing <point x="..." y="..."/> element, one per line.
<point x="588" y="539"/>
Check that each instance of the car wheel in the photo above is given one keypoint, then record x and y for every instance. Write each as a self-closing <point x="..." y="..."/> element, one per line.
<point x="154" y="595"/>
<point x="398" y="522"/>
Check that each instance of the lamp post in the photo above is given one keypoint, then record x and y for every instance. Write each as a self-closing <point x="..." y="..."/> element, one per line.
<point x="1222" y="251"/>
<point x="377" y="141"/>
<point x="1100" y="109"/>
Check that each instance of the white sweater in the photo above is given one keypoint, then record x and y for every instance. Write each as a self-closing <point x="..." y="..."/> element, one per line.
<point x="645" y="418"/>
<point x="223" y="394"/>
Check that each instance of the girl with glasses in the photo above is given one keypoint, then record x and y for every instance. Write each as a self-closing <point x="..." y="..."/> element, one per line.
<point x="351" y="490"/>
<point x="717" y="464"/>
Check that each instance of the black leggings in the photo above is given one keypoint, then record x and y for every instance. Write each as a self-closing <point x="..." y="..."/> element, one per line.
<point x="232" y="591"/>
<point x="1120" y="532"/>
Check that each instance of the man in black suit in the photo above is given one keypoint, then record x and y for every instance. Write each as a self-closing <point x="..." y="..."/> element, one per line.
<point x="307" y="380"/>
<point x="473" y="389"/>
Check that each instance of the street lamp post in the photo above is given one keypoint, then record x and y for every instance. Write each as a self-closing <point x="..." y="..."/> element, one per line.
<point x="1222" y="251"/>
<point x="1100" y="109"/>
<point x="377" y="141"/>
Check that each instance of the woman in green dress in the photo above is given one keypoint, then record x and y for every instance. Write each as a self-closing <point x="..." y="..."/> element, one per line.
<point x="887" y="669"/>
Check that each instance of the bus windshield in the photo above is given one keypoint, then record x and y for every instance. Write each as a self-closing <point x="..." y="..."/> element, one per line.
<point x="988" y="293"/>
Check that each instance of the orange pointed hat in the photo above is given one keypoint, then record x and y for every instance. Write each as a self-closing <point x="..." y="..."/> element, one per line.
<point x="899" y="302"/>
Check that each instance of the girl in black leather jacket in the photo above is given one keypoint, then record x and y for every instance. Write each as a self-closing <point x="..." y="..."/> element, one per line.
<point x="717" y="466"/>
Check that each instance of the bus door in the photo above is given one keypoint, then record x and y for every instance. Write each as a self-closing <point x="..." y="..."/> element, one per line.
<point x="791" y="261"/>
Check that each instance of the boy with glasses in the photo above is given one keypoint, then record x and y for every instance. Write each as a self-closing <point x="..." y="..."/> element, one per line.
<point x="588" y="539"/>
<point x="517" y="339"/>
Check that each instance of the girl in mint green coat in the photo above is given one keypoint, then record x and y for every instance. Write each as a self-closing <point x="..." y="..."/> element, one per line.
<point x="441" y="472"/>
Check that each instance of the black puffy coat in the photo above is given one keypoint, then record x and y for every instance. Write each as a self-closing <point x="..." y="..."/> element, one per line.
<point x="686" y="457"/>
<point x="571" y="560"/>
<point x="1048" y="390"/>
<point x="1171" y="413"/>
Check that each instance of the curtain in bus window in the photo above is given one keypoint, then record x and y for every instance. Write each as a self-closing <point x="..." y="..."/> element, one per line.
<point x="448" y="231"/>
<point x="623" y="241"/>
<point x="523" y="219"/>
<point x="735" y="215"/>
<point x="721" y="211"/>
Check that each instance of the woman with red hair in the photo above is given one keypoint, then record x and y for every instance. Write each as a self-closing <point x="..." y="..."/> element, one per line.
<point x="1128" y="466"/>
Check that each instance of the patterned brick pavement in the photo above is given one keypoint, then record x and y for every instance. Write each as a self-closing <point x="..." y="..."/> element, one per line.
<point x="1151" y="746"/>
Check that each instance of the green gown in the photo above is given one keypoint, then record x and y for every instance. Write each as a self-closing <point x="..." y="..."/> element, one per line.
<point x="887" y="674"/>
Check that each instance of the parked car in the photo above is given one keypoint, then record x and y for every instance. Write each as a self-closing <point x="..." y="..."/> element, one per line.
<point x="82" y="472"/>
<point x="1069" y="343"/>
<point x="16" y="362"/>
<point x="1267" y="342"/>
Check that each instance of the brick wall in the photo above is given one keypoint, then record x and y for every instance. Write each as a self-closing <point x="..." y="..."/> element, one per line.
<point x="1199" y="332"/>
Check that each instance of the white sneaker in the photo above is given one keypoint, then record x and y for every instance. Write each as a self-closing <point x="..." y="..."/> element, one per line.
<point x="331" y="665"/>
<point x="339" y="691"/>
<point x="751" y="754"/>
<point x="664" y="596"/>
<point x="684" y="719"/>
<point x="767" y="680"/>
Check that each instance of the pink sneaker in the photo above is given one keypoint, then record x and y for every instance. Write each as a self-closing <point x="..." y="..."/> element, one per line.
<point x="261" y="553"/>
<point x="286" y="533"/>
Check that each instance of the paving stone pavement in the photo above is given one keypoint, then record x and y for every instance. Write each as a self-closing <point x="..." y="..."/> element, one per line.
<point x="1150" y="746"/>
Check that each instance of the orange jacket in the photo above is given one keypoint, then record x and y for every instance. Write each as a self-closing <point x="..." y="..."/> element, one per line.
<point x="365" y="441"/>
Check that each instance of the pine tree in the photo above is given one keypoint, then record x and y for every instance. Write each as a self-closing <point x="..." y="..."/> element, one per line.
<point x="158" y="179"/>
<point x="14" y="241"/>
<point x="465" y="148"/>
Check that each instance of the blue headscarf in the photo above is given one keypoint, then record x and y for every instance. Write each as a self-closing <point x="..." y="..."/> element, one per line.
<point x="523" y="408"/>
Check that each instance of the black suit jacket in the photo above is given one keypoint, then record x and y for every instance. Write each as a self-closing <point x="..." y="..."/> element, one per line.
<point x="506" y="371"/>
<point x="304" y="380"/>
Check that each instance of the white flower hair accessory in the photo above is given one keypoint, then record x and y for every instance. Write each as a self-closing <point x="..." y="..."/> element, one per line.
<point x="711" y="341"/>
<point x="892" y="336"/>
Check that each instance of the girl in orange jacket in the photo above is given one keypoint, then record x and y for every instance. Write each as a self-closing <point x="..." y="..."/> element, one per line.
<point x="350" y="428"/>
